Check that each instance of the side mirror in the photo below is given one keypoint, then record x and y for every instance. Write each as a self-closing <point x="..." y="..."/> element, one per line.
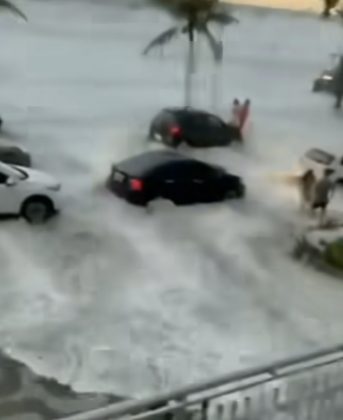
<point x="10" y="182"/>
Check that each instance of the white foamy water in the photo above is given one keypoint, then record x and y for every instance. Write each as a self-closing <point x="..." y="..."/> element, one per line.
<point x="109" y="297"/>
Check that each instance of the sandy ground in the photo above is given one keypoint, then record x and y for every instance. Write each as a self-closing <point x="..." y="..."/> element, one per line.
<point x="313" y="5"/>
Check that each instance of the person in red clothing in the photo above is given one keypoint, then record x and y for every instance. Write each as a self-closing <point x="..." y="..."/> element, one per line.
<point x="244" y="113"/>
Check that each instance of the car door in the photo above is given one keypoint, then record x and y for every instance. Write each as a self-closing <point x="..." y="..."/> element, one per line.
<point x="218" y="131"/>
<point x="205" y="183"/>
<point x="8" y="200"/>
<point x="175" y="183"/>
<point x="198" y="132"/>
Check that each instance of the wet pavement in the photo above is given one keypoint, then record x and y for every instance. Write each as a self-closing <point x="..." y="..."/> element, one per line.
<point x="27" y="396"/>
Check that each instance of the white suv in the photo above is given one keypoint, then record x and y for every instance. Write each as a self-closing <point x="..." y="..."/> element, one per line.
<point x="318" y="160"/>
<point x="28" y="193"/>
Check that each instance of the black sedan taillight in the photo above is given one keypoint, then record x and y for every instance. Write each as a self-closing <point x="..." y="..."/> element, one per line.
<point x="136" y="184"/>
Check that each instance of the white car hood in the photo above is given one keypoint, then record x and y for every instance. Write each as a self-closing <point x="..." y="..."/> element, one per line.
<point x="39" y="177"/>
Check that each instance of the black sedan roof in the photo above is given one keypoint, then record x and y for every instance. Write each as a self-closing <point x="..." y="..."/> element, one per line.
<point x="140" y="165"/>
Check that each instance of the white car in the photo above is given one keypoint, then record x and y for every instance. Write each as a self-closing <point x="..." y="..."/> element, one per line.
<point x="318" y="160"/>
<point x="28" y="193"/>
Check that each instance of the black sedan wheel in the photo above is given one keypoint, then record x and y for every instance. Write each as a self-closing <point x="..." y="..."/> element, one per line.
<point x="317" y="87"/>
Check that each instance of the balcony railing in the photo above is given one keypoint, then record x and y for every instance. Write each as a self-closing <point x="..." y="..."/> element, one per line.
<point x="306" y="387"/>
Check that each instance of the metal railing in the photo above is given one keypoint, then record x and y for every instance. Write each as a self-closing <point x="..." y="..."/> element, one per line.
<point x="306" y="387"/>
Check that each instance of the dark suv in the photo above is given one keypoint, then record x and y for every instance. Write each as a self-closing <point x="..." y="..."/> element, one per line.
<point x="173" y="126"/>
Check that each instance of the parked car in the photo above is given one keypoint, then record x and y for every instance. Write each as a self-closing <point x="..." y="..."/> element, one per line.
<point x="13" y="154"/>
<point x="325" y="81"/>
<point x="173" y="126"/>
<point x="172" y="176"/>
<point x="318" y="160"/>
<point x="28" y="193"/>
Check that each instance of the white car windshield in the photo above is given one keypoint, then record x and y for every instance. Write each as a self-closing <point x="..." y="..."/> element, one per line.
<point x="22" y="174"/>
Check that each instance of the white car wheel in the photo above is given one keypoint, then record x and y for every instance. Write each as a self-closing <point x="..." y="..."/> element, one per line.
<point x="37" y="211"/>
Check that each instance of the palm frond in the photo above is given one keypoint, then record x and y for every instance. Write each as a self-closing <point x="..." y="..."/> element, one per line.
<point x="221" y="18"/>
<point x="162" y="39"/>
<point x="216" y="46"/>
<point x="183" y="8"/>
<point x="5" y="4"/>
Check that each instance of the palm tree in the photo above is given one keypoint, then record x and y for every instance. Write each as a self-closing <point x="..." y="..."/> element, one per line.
<point x="7" y="5"/>
<point x="196" y="17"/>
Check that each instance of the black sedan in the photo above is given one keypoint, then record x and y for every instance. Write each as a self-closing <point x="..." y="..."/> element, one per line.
<point x="172" y="176"/>
<point x="173" y="126"/>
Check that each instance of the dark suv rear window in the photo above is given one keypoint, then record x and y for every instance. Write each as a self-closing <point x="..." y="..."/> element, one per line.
<point x="164" y="119"/>
<point x="118" y="176"/>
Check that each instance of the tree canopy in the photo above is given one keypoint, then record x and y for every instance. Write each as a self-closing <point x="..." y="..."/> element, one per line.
<point x="7" y="5"/>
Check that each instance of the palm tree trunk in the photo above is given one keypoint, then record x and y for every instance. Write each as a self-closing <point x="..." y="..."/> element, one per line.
<point x="190" y="66"/>
<point x="217" y="80"/>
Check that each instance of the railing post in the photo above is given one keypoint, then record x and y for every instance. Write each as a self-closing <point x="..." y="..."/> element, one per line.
<point x="220" y="412"/>
<point x="276" y="398"/>
<point x="204" y="410"/>
<point x="233" y="410"/>
<point x="320" y="396"/>
<point x="181" y="413"/>
<point x="311" y="399"/>
<point x="247" y="407"/>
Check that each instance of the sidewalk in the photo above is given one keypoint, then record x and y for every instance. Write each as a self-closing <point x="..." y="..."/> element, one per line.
<point x="300" y="5"/>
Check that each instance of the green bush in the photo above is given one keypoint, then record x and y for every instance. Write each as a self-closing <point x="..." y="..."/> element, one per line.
<point x="334" y="253"/>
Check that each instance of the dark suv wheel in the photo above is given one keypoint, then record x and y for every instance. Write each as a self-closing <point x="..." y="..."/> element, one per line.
<point x="317" y="86"/>
<point x="173" y="141"/>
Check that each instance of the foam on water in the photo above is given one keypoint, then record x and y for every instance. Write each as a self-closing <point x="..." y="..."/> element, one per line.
<point x="109" y="297"/>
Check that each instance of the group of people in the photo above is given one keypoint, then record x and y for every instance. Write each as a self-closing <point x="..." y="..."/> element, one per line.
<point x="239" y="113"/>
<point x="315" y="194"/>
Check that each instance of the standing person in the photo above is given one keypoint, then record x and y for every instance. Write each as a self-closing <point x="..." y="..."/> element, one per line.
<point x="328" y="6"/>
<point x="235" y="113"/>
<point x="244" y="113"/>
<point x="322" y="194"/>
<point x="338" y="84"/>
<point x="306" y="189"/>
